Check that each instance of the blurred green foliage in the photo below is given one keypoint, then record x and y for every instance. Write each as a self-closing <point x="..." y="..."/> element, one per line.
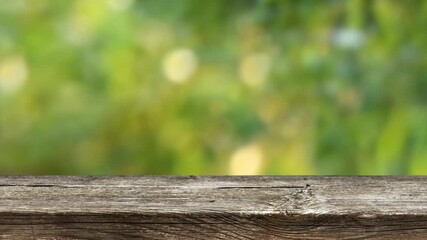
<point x="213" y="87"/>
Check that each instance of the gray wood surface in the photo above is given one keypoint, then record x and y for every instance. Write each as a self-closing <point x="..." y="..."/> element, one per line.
<point x="213" y="207"/>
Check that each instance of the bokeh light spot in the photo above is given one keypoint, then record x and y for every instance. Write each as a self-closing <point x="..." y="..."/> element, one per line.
<point x="119" y="5"/>
<point x="179" y="65"/>
<point x="247" y="160"/>
<point x="13" y="74"/>
<point x="254" y="68"/>
<point x="348" y="38"/>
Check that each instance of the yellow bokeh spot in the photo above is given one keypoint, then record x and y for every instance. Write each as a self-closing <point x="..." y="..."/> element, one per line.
<point x="179" y="65"/>
<point x="254" y="68"/>
<point x="247" y="160"/>
<point x="13" y="74"/>
<point x="119" y="5"/>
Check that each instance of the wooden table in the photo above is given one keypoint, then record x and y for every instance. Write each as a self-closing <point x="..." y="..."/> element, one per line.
<point x="189" y="207"/>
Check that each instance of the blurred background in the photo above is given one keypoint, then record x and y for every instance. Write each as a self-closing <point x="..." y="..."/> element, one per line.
<point x="134" y="87"/>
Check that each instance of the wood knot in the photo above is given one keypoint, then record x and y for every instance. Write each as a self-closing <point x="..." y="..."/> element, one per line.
<point x="299" y="199"/>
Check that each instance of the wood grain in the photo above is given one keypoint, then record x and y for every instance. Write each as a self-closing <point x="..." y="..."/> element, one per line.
<point x="191" y="207"/>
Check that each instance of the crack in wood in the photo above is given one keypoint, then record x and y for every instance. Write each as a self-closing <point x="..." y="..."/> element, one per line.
<point x="259" y="187"/>
<point x="37" y="185"/>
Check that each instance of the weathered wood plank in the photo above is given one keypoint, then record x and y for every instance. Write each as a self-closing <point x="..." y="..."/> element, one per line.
<point x="213" y="207"/>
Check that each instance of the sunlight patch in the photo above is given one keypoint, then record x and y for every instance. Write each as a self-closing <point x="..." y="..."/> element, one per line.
<point x="13" y="74"/>
<point x="254" y="68"/>
<point x="247" y="160"/>
<point x="179" y="65"/>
